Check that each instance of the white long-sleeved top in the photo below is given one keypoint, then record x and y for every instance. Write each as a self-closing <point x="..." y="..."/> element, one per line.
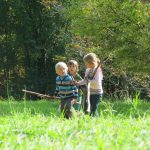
<point x="96" y="82"/>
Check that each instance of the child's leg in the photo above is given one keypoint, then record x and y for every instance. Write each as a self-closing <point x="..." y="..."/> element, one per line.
<point x="66" y="108"/>
<point x="94" y="101"/>
<point x="62" y="106"/>
<point x="77" y="106"/>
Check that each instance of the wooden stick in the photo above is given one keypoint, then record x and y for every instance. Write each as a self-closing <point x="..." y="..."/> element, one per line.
<point x="43" y="95"/>
<point x="40" y="95"/>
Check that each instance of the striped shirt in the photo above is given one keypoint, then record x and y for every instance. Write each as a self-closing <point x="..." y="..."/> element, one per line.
<point x="64" y="89"/>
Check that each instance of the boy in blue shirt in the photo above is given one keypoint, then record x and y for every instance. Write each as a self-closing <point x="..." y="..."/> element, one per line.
<point x="65" y="89"/>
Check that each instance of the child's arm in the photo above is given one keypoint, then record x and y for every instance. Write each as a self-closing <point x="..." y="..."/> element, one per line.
<point x="83" y="81"/>
<point x="79" y="77"/>
<point x="56" y="91"/>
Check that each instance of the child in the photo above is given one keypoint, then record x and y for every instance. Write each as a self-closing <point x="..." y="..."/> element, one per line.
<point x="64" y="89"/>
<point x="92" y="64"/>
<point x="73" y="71"/>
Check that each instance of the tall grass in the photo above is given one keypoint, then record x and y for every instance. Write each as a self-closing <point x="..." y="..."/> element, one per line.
<point x="38" y="125"/>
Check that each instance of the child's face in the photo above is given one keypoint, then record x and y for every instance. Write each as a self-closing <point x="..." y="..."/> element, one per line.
<point x="72" y="69"/>
<point x="61" y="71"/>
<point x="90" y="65"/>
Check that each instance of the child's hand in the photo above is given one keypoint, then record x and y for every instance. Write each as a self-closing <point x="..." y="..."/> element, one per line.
<point x="75" y="83"/>
<point x="72" y="82"/>
<point x="54" y="97"/>
<point x="74" y="101"/>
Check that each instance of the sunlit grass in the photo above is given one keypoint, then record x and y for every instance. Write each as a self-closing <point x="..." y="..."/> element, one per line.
<point x="39" y="125"/>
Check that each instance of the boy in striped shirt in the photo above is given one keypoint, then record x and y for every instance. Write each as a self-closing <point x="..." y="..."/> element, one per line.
<point x="64" y="89"/>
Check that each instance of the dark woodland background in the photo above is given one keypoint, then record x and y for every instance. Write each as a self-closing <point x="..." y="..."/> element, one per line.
<point x="36" y="34"/>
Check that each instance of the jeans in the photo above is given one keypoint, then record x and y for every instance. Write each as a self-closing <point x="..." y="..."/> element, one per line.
<point x="94" y="101"/>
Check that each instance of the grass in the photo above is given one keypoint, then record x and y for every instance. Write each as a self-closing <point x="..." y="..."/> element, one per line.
<point x="38" y="125"/>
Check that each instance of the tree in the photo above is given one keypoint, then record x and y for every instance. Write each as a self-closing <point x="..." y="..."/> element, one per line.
<point x="33" y="34"/>
<point x="118" y="31"/>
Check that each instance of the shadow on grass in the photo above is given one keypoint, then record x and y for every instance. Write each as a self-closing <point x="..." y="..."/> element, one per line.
<point x="51" y="108"/>
<point x="124" y="108"/>
<point x="43" y="107"/>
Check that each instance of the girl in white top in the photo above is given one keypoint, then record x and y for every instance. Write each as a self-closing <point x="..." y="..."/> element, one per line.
<point x="92" y="61"/>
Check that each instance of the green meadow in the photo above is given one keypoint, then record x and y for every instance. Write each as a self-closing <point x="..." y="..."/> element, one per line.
<point x="38" y="125"/>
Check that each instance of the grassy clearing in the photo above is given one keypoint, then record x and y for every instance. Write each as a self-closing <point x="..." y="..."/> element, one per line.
<point x="38" y="125"/>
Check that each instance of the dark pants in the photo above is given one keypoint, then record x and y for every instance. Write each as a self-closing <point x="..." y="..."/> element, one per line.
<point x="66" y="107"/>
<point x="94" y="101"/>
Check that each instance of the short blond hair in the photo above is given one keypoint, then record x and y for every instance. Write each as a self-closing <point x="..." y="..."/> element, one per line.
<point x="91" y="58"/>
<point x="61" y="64"/>
<point x="73" y="62"/>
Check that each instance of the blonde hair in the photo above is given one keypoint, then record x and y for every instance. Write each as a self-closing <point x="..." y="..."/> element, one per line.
<point x="61" y="64"/>
<point x="73" y="62"/>
<point x="91" y="58"/>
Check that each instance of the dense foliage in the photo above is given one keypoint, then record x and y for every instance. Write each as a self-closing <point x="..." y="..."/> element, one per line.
<point x="116" y="30"/>
<point x="33" y="34"/>
<point x="119" y="32"/>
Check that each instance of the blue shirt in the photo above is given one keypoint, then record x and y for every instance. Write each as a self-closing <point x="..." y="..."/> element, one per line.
<point x="64" y="88"/>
